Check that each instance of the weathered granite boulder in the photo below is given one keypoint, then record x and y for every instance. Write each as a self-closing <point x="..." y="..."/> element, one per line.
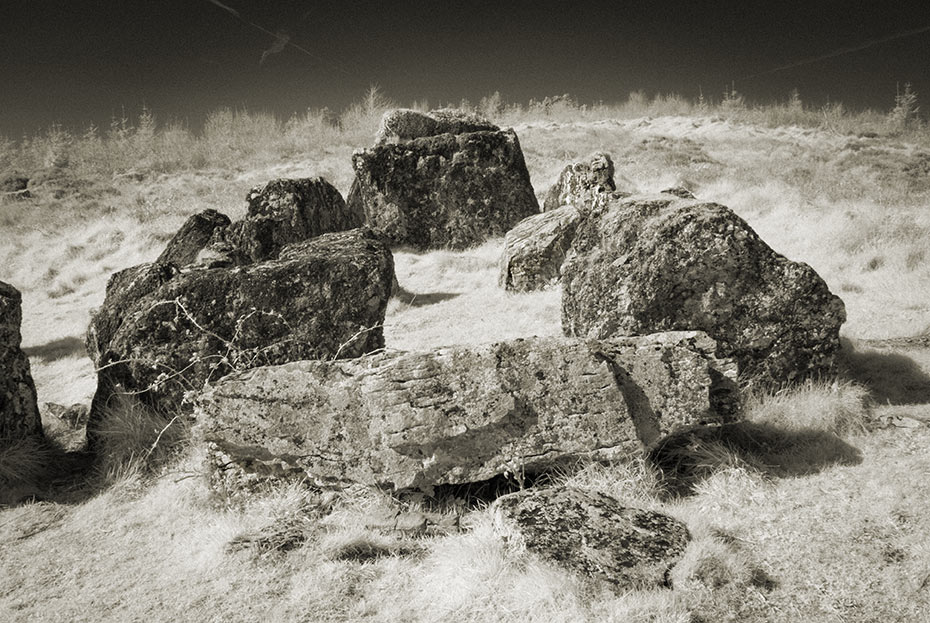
<point x="535" y="249"/>
<point x="461" y="414"/>
<point x="647" y="264"/>
<point x="593" y="534"/>
<point x="285" y="211"/>
<point x="443" y="191"/>
<point x="195" y="234"/>
<point x="321" y="298"/>
<point x="582" y="184"/>
<point x="404" y="124"/>
<point x="124" y="290"/>
<point x="19" y="410"/>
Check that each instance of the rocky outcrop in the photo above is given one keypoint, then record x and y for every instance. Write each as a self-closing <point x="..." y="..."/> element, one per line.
<point x="193" y="237"/>
<point x="445" y="191"/>
<point x="461" y="414"/>
<point x="19" y="410"/>
<point x="582" y="184"/>
<point x="594" y="535"/>
<point x="162" y="332"/>
<point x="535" y="249"/>
<point x="403" y="124"/>
<point x="647" y="264"/>
<point x="285" y="211"/>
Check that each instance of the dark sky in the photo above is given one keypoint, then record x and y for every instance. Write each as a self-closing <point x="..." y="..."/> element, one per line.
<point x="77" y="62"/>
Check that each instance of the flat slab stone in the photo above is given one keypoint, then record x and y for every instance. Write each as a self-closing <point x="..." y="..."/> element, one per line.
<point x="593" y="534"/>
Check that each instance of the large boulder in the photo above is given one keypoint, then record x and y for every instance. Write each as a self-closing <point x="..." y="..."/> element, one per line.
<point x="445" y="191"/>
<point x="461" y="414"/>
<point x="124" y="290"/>
<point x="19" y="410"/>
<point x="403" y="124"/>
<point x="321" y="298"/>
<point x="593" y="534"/>
<point x="285" y="211"/>
<point x="535" y="249"/>
<point x="195" y="234"/>
<point x="582" y="184"/>
<point x="648" y="264"/>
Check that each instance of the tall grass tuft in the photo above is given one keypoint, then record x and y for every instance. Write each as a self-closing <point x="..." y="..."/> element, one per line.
<point x="25" y="461"/>
<point x="135" y="441"/>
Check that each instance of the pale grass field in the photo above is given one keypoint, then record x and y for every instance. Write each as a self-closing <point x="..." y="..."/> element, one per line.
<point x="827" y="524"/>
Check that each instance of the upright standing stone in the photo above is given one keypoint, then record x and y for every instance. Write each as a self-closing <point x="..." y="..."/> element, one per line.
<point x="582" y="184"/>
<point x="19" y="410"/>
<point x="444" y="191"/>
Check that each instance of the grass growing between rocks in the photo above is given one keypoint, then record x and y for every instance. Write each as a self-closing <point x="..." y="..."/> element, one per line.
<point x="814" y="509"/>
<point x="780" y="532"/>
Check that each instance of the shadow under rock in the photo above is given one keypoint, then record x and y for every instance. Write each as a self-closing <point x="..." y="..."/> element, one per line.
<point x="62" y="479"/>
<point x="890" y="377"/>
<point x="56" y="349"/>
<point x="421" y="300"/>
<point x="686" y="458"/>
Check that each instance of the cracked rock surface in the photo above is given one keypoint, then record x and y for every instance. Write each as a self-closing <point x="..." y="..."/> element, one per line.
<point x="461" y="414"/>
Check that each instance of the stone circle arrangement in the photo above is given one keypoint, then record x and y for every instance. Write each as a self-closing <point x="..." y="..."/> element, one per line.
<point x="267" y="332"/>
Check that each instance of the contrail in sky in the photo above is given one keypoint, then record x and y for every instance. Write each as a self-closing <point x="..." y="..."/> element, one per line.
<point x="279" y="44"/>
<point x="841" y="51"/>
<point x="281" y="41"/>
<point x="225" y="8"/>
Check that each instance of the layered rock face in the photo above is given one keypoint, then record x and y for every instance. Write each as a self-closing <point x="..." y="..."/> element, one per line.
<point x="443" y="191"/>
<point x="461" y="414"/>
<point x="535" y="249"/>
<point x="647" y="264"/>
<point x="162" y="332"/>
<point x="403" y="124"/>
<point x="19" y="410"/>
<point x="593" y="534"/>
<point x="582" y="184"/>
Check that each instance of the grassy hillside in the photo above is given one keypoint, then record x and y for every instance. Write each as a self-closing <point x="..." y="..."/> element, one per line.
<point x="815" y="510"/>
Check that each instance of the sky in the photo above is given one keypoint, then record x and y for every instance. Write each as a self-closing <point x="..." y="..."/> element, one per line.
<point x="77" y="62"/>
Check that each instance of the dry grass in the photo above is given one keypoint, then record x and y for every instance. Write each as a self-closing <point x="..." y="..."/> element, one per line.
<point x="811" y="510"/>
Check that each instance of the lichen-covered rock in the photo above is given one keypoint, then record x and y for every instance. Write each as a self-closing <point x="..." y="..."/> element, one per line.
<point x="593" y="534"/>
<point x="582" y="184"/>
<point x="19" y="410"/>
<point x="285" y="211"/>
<point x="404" y="124"/>
<point x="124" y="289"/>
<point x="195" y="234"/>
<point x="445" y="191"/>
<point x="461" y="414"/>
<point x="535" y="249"/>
<point x="322" y="298"/>
<point x="648" y="264"/>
